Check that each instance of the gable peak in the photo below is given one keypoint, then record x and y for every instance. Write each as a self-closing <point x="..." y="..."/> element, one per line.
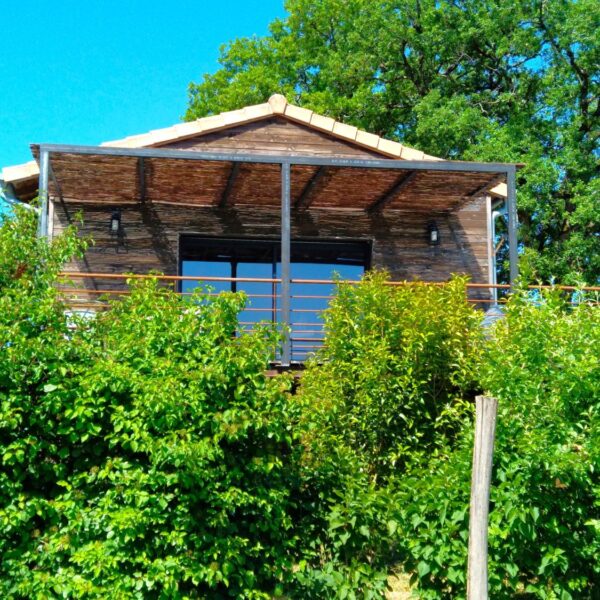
<point x="278" y="103"/>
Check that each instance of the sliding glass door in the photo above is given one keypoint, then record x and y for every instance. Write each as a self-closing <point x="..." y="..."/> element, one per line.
<point x="312" y="261"/>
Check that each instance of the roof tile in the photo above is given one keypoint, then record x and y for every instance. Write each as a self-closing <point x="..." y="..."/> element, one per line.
<point x="20" y="172"/>
<point x="367" y="139"/>
<point x="348" y="132"/>
<point x="321" y="122"/>
<point x="411" y="154"/>
<point x="390" y="148"/>
<point x="278" y="104"/>
<point x="298" y="113"/>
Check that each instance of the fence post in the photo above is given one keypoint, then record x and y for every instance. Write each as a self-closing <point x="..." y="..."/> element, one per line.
<point x="486" y="409"/>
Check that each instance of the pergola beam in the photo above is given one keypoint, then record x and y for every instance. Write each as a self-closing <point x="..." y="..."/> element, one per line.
<point x="231" y="179"/>
<point x="308" y="193"/>
<point x="388" y="163"/>
<point x="402" y="182"/>
<point x="55" y="180"/>
<point x="484" y="189"/>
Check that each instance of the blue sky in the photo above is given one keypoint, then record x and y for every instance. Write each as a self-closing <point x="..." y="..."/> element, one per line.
<point x="83" y="72"/>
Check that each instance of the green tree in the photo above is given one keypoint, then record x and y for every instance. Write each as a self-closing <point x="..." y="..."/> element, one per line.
<point x="470" y="79"/>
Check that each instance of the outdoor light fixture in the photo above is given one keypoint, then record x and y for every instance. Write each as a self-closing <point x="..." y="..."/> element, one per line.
<point x="115" y="223"/>
<point x="115" y="228"/>
<point x="433" y="233"/>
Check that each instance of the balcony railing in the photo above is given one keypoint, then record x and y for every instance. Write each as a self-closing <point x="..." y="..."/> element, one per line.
<point x="308" y="299"/>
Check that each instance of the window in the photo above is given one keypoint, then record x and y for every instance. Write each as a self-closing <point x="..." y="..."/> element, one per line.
<point x="261" y="259"/>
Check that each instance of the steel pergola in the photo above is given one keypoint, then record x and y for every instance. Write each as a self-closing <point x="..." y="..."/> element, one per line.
<point x="286" y="162"/>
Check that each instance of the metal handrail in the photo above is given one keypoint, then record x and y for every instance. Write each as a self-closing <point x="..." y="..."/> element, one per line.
<point x="104" y="293"/>
<point x="145" y="276"/>
<point x="304" y="337"/>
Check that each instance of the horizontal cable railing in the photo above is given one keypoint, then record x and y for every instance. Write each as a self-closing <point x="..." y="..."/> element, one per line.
<point x="90" y="292"/>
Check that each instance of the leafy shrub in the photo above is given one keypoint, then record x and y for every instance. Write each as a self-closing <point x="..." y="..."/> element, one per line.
<point x="144" y="452"/>
<point x="543" y="364"/>
<point x="385" y="392"/>
<point x="346" y="555"/>
<point x="390" y="381"/>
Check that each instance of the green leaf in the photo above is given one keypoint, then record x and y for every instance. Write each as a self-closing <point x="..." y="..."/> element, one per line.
<point x="392" y="526"/>
<point x="423" y="569"/>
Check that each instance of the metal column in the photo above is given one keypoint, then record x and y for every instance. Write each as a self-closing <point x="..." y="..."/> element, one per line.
<point x="43" y="194"/>
<point x="511" y="205"/>
<point x="286" y="350"/>
<point x="491" y="247"/>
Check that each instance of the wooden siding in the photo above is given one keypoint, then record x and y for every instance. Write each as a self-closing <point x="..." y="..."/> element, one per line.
<point x="399" y="238"/>
<point x="274" y="136"/>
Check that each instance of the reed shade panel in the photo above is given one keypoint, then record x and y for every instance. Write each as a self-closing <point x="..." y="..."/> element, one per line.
<point x="116" y="179"/>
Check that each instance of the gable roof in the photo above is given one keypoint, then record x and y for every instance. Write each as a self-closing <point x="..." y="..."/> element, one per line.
<point x="277" y="105"/>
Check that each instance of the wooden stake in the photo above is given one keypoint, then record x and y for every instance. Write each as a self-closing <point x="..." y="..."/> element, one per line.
<point x="485" y="427"/>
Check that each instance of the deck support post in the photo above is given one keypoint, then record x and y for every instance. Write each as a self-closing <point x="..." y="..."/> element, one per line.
<point x="511" y="205"/>
<point x="43" y="193"/>
<point x="286" y="350"/>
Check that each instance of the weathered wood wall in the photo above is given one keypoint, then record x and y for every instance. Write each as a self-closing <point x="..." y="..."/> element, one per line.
<point x="399" y="238"/>
<point x="274" y="136"/>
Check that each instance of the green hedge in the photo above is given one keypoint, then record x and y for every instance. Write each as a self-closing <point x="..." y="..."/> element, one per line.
<point x="145" y="453"/>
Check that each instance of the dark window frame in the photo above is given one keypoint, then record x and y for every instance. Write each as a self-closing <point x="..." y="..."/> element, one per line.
<point x="271" y="246"/>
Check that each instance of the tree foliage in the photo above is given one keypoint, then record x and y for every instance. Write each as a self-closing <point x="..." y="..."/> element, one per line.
<point x="390" y="382"/>
<point x="474" y="79"/>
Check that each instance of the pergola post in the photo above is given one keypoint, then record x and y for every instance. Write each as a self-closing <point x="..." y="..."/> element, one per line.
<point x="43" y="193"/>
<point x="511" y="205"/>
<point x="286" y="350"/>
<point x="491" y="247"/>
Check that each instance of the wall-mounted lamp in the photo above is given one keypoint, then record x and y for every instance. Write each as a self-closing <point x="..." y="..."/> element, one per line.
<point x="116" y="230"/>
<point x="433" y="234"/>
<point x="115" y="223"/>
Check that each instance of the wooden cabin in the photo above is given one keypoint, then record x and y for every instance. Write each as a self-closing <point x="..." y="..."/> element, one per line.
<point x="264" y="199"/>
